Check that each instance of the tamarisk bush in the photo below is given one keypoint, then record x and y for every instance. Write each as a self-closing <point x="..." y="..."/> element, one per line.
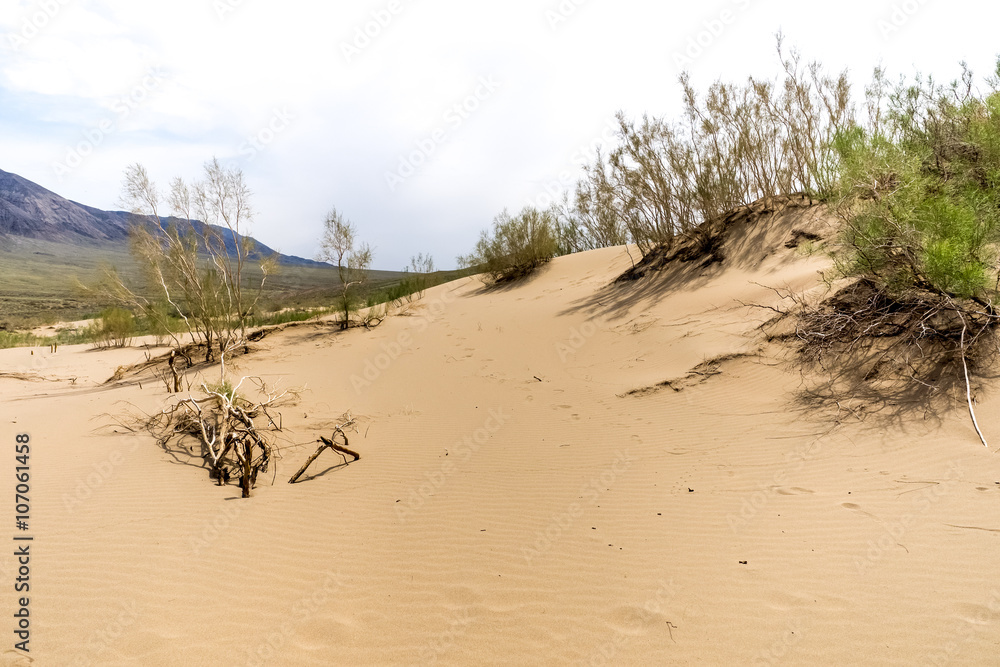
<point x="736" y="144"/>
<point x="515" y="246"/>
<point x="205" y="274"/>
<point x="919" y="193"/>
<point x="338" y="247"/>
<point x="920" y="190"/>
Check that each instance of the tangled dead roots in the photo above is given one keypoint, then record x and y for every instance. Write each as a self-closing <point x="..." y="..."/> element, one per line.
<point x="913" y="345"/>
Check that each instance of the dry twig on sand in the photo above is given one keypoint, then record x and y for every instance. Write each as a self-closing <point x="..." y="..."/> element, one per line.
<point x="332" y="444"/>
<point x="968" y="386"/>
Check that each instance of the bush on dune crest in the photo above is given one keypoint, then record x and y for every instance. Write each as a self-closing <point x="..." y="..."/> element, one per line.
<point x="665" y="179"/>
<point x="353" y="261"/>
<point x="734" y="145"/>
<point x="515" y="246"/>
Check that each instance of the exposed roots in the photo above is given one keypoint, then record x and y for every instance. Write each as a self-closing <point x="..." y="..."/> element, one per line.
<point x="902" y="349"/>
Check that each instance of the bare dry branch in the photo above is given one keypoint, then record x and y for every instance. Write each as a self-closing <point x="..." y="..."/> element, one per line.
<point x="332" y="444"/>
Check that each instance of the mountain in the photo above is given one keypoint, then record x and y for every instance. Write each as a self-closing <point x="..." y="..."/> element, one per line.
<point x="30" y="211"/>
<point x="50" y="246"/>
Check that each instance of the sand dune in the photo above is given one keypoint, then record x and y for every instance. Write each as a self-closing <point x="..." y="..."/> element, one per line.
<point x="562" y="471"/>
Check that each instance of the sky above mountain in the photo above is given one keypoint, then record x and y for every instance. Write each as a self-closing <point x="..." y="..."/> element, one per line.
<point x="420" y="120"/>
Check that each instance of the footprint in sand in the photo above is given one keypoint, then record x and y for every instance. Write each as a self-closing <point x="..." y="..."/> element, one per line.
<point x="979" y="615"/>
<point x="635" y="620"/>
<point x="857" y="508"/>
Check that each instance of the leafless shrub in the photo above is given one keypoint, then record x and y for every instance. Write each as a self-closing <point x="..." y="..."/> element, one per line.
<point x="332" y="444"/>
<point x="734" y="146"/>
<point x="234" y="433"/>
<point x="199" y="269"/>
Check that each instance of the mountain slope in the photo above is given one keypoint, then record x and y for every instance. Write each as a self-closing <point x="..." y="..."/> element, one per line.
<point x="49" y="245"/>
<point x="28" y="210"/>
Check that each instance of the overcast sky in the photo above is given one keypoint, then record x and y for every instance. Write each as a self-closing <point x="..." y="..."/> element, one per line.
<point x="418" y="119"/>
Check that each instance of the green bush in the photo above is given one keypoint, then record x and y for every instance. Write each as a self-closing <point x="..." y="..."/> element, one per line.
<point x="395" y="294"/>
<point x="160" y="320"/>
<point x="345" y="305"/>
<point x="18" y="339"/>
<point x="920" y="191"/>
<point x="114" y="327"/>
<point x="516" y="245"/>
<point x="224" y="388"/>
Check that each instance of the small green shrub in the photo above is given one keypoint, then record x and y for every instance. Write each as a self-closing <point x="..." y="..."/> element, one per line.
<point x="18" y="339"/>
<point x="225" y="388"/>
<point x="160" y="320"/>
<point x="516" y="245"/>
<point x="114" y="327"/>
<point x="394" y="294"/>
<point x="345" y="305"/>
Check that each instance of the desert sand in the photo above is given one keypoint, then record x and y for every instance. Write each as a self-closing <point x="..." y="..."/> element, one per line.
<point x="530" y="492"/>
